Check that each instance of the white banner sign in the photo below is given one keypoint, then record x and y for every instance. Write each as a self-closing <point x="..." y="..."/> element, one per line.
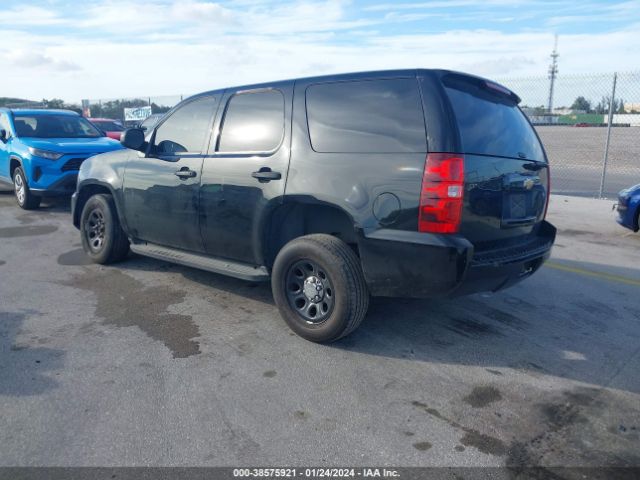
<point x="136" y="114"/>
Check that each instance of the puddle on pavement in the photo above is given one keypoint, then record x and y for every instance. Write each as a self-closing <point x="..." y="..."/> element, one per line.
<point x="472" y="438"/>
<point x="75" y="257"/>
<point x="27" y="231"/>
<point x="123" y="301"/>
<point x="482" y="396"/>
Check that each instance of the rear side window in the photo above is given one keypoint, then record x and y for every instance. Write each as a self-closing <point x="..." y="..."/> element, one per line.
<point x="372" y="116"/>
<point x="187" y="129"/>
<point x="253" y="122"/>
<point x="490" y="122"/>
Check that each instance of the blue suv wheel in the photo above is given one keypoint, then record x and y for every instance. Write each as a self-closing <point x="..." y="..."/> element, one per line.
<point x="25" y="198"/>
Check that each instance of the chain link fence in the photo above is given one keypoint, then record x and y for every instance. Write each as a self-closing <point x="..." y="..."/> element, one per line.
<point x="130" y="111"/>
<point x="591" y="133"/>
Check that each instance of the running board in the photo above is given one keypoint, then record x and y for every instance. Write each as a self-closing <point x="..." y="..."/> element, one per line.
<point x="215" y="265"/>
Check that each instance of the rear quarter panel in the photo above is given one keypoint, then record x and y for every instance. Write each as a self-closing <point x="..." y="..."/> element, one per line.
<point x="352" y="181"/>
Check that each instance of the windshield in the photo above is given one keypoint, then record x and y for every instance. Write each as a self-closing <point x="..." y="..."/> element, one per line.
<point x="490" y="122"/>
<point x="54" y="126"/>
<point x="108" y="125"/>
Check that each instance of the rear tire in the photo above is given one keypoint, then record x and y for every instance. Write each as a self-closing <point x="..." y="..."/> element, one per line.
<point x="103" y="239"/>
<point x="25" y="198"/>
<point x="319" y="287"/>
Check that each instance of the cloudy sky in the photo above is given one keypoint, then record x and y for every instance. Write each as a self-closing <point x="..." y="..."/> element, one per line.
<point x="112" y="48"/>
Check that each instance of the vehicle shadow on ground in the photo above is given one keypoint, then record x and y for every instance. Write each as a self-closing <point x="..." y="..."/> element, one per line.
<point x="23" y="367"/>
<point x="589" y="331"/>
<point x="258" y="291"/>
<point x="55" y="205"/>
<point x="48" y="205"/>
<point x="577" y="335"/>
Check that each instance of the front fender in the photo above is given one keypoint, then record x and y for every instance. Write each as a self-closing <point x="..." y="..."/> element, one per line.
<point x="102" y="173"/>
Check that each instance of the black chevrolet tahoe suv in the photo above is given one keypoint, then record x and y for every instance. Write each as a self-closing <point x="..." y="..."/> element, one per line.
<point x="409" y="183"/>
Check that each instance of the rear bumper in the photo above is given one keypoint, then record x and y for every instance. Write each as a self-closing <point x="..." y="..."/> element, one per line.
<point x="412" y="264"/>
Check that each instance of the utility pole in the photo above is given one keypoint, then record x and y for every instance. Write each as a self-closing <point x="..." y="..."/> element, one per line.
<point x="606" y="145"/>
<point x="553" y="71"/>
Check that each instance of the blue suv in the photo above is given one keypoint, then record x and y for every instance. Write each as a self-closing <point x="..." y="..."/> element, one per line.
<point x="628" y="208"/>
<point x="41" y="151"/>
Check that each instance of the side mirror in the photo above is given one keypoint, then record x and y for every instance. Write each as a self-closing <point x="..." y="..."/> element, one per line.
<point x="133" y="138"/>
<point x="3" y="136"/>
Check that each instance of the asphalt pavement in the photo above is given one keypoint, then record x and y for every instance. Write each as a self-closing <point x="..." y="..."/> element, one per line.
<point x="148" y="363"/>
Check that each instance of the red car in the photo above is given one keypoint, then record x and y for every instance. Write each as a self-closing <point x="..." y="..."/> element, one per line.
<point x="113" y="128"/>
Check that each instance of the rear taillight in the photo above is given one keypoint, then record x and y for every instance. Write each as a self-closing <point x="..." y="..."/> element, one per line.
<point x="442" y="192"/>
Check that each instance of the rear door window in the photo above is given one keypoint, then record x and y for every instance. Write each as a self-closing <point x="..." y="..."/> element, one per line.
<point x="253" y="122"/>
<point x="489" y="121"/>
<point x="370" y="116"/>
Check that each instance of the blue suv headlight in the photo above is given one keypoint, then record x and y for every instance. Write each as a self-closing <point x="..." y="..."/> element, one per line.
<point x="45" y="154"/>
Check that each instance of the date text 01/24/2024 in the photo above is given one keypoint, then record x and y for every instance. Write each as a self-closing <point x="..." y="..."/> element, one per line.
<point x="315" y="472"/>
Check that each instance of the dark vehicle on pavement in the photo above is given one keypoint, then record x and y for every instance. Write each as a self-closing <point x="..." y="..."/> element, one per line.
<point x="409" y="183"/>
<point x="41" y="151"/>
<point x="628" y="208"/>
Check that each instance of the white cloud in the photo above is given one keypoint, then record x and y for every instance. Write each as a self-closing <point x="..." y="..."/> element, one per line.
<point x="30" y="15"/>
<point x="36" y="60"/>
<point x="443" y="4"/>
<point x="185" y="46"/>
<point x="195" y="11"/>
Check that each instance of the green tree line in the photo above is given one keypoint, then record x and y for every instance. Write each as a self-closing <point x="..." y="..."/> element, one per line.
<point x="108" y="109"/>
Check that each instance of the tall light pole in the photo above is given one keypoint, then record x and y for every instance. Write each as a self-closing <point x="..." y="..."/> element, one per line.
<point x="553" y="71"/>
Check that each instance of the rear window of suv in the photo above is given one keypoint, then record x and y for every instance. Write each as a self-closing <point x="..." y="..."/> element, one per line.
<point x="370" y="116"/>
<point x="490" y="121"/>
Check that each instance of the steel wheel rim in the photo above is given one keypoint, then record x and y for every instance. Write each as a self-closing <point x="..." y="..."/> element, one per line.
<point x="310" y="292"/>
<point x="94" y="229"/>
<point x="18" y="184"/>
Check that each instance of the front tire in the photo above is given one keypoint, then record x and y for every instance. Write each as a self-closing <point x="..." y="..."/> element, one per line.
<point x="319" y="287"/>
<point x="103" y="239"/>
<point x="26" y="200"/>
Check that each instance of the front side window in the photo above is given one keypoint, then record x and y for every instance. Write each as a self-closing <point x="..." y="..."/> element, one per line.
<point x="187" y="129"/>
<point x="370" y="116"/>
<point x="253" y="122"/>
<point x="54" y="126"/>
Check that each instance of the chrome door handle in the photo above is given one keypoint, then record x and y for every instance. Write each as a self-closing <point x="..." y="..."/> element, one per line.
<point x="265" y="174"/>
<point x="185" y="173"/>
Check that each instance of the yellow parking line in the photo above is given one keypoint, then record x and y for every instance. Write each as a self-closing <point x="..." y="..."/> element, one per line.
<point x="592" y="273"/>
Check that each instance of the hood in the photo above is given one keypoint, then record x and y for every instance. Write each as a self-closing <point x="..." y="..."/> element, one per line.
<point x="73" y="145"/>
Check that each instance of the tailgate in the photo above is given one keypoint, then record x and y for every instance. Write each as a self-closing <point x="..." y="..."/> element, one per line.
<point x="504" y="198"/>
<point x="506" y="172"/>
